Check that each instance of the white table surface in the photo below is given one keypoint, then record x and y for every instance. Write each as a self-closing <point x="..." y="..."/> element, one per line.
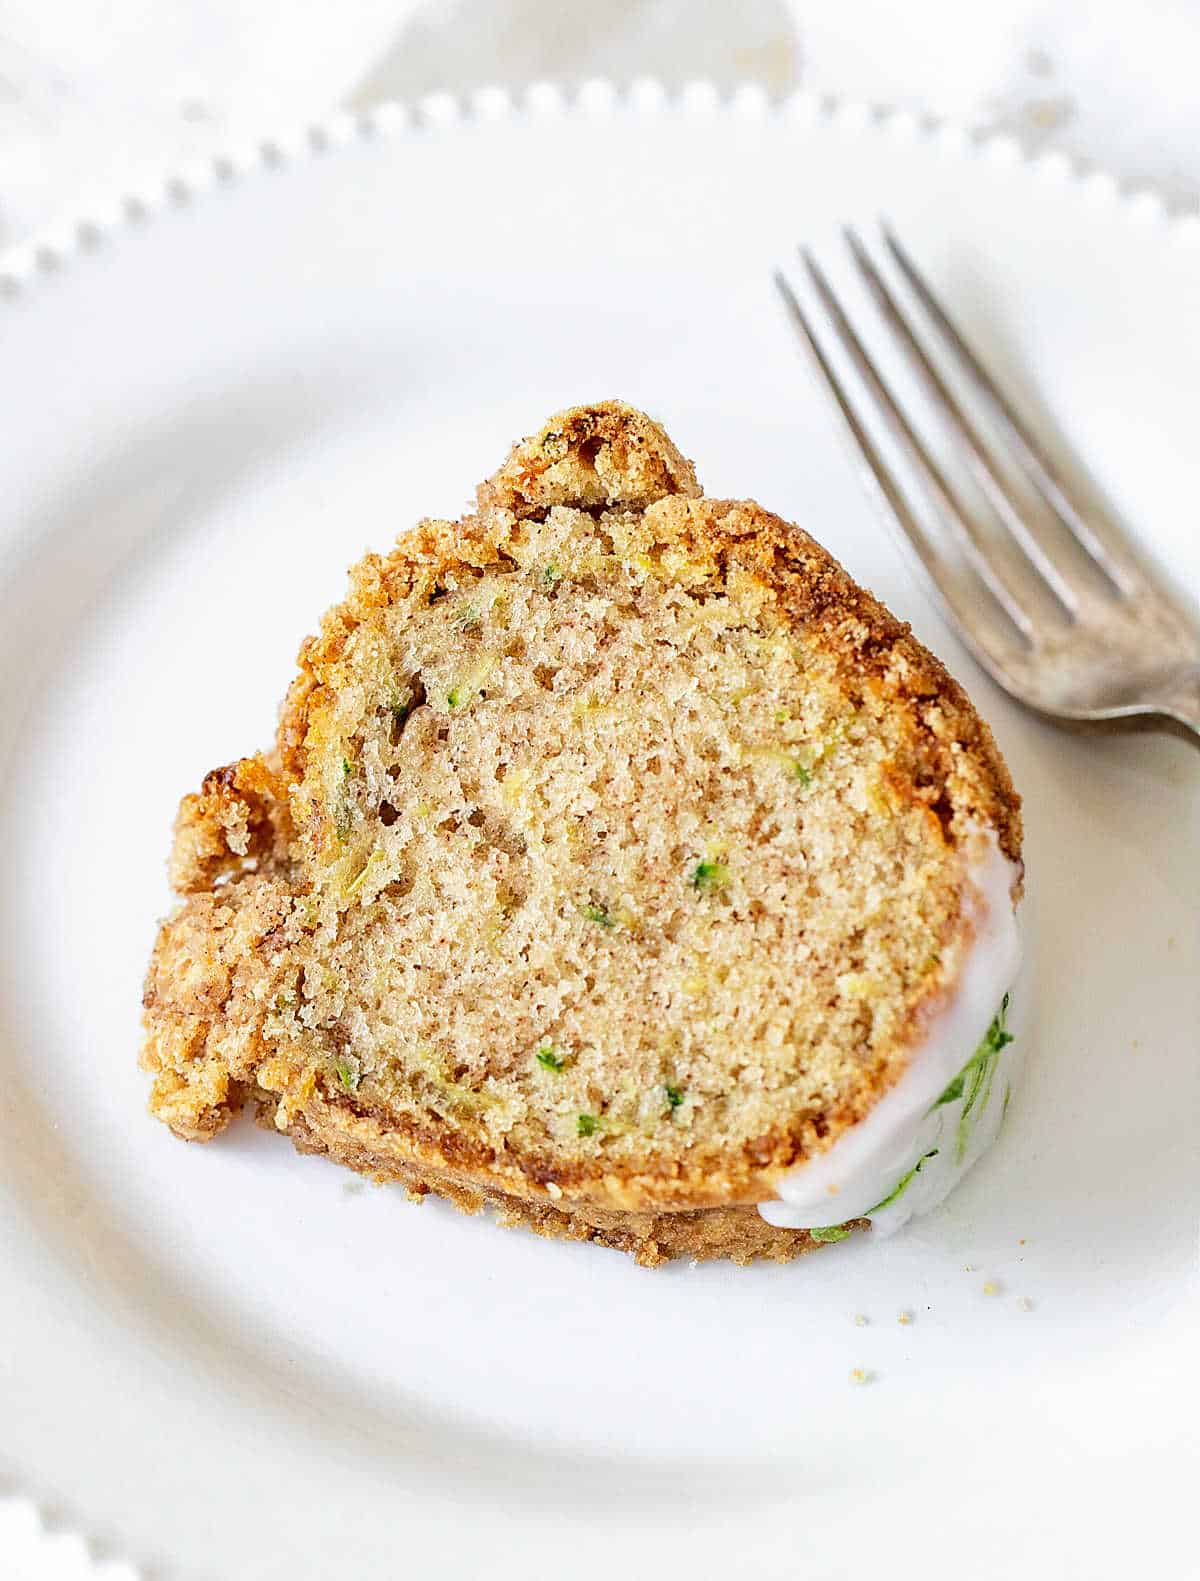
<point x="99" y="100"/>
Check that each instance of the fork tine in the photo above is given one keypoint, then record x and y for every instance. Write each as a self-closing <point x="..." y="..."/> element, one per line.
<point x="952" y="508"/>
<point x="1106" y="548"/>
<point x="964" y="614"/>
<point x="983" y="464"/>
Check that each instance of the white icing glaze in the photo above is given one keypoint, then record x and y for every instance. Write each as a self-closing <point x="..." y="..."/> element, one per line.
<point x="865" y="1164"/>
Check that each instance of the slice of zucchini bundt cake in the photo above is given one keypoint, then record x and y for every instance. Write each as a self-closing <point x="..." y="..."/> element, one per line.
<point x="620" y="863"/>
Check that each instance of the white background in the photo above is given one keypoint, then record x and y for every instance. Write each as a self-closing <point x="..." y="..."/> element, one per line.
<point x="98" y="99"/>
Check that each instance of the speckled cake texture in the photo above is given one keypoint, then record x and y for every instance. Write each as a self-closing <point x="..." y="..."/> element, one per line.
<point x="606" y="865"/>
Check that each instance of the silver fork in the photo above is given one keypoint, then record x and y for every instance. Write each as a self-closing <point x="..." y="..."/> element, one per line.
<point x="1105" y="645"/>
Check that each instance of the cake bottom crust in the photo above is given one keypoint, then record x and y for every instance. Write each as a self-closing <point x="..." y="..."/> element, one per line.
<point x="738" y="1234"/>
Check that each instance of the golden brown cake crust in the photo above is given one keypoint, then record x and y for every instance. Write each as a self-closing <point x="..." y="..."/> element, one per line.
<point x="254" y="851"/>
<point x="739" y="1234"/>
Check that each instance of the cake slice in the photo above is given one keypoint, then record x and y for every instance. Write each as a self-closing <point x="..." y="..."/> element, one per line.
<point x="620" y="863"/>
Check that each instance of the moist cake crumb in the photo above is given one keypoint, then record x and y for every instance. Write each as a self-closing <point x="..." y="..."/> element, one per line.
<point x="604" y="866"/>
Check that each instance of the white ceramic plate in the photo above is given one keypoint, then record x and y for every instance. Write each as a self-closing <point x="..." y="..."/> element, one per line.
<point x="234" y="1362"/>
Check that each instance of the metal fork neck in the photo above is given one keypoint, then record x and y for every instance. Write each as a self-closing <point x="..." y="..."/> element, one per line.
<point x="1181" y="710"/>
